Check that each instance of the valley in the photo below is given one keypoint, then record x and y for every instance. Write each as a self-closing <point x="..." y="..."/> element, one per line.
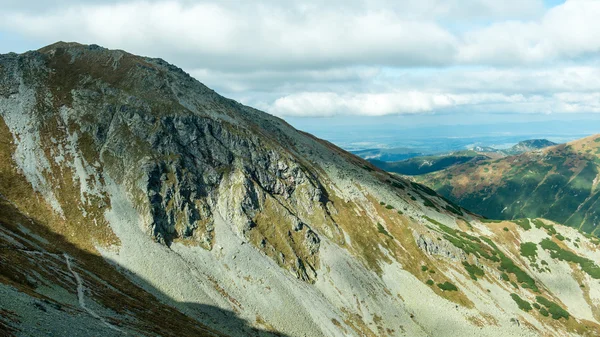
<point x="558" y="183"/>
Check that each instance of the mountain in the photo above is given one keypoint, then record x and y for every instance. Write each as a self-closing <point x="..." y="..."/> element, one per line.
<point x="520" y="147"/>
<point x="136" y="201"/>
<point x="558" y="183"/>
<point x="529" y="145"/>
<point x="426" y="164"/>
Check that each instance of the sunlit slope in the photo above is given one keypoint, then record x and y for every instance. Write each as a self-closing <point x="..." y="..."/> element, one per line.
<point x="558" y="183"/>
<point x="433" y="163"/>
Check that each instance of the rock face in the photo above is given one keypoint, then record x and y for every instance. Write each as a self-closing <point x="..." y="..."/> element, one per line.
<point x="134" y="120"/>
<point x="129" y="177"/>
<point x="443" y="248"/>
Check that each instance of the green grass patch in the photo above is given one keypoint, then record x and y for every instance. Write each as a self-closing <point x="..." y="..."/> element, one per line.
<point x="456" y="211"/>
<point x="507" y="265"/>
<point x="523" y="305"/>
<point x="428" y="203"/>
<point x="505" y="229"/>
<point x="447" y="286"/>
<point x="473" y="270"/>
<point x="523" y="223"/>
<point x="389" y="207"/>
<point x="429" y="282"/>
<point x="452" y="207"/>
<point x="529" y="250"/>
<point x="424" y="189"/>
<point x="504" y="277"/>
<point x="594" y="239"/>
<point x="382" y="230"/>
<point x="484" y="220"/>
<point x="441" y="225"/>
<point x="468" y="243"/>
<point x="556" y="252"/>
<point x="540" y="224"/>
<point x="470" y="247"/>
<point x="396" y="184"/>
<point x="400" y="212"/>
<point x="554" y="309"/>
<point x="424" y="268"/>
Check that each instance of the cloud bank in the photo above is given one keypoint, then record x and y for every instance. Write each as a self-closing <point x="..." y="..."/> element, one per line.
<point x="314" y="58"/>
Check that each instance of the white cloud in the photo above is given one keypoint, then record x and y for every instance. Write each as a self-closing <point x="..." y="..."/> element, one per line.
<point x="539" y="80"/>
<point x="405" y="102"/>
<point x="288" y="80"/>
<point x="313" y="104"/>
<point x="315" y="58"/>
<point x="272" y="34"/>
<point x="217" y="36"/>
<point x="564" y="32"/>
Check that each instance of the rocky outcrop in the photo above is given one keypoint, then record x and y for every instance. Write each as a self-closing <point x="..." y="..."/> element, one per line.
<point x="171" y="149"/>
<point x="440" y="247"/>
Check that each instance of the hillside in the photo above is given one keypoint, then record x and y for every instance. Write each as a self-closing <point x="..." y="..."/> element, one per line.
<point x="134" y="200"/>
<point x="558" y="183"/>
<point x="426" y="164"/>
<point x="529" y="145"/>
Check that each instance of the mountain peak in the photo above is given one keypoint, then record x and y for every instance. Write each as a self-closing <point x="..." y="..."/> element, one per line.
<point x="530" y="145"/>
<point x="61" y="45"/>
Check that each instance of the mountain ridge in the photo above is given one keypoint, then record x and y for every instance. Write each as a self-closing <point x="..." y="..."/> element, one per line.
<point x="431" y="163"/>
<point x="553" y="182"/>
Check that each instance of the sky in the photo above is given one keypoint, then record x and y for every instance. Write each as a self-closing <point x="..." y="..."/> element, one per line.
<point x="459" y="60"/>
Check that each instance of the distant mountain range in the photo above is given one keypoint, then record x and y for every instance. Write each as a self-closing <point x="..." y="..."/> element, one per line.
<point x="420" y="164"/>
<point x="560" y="183"/>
